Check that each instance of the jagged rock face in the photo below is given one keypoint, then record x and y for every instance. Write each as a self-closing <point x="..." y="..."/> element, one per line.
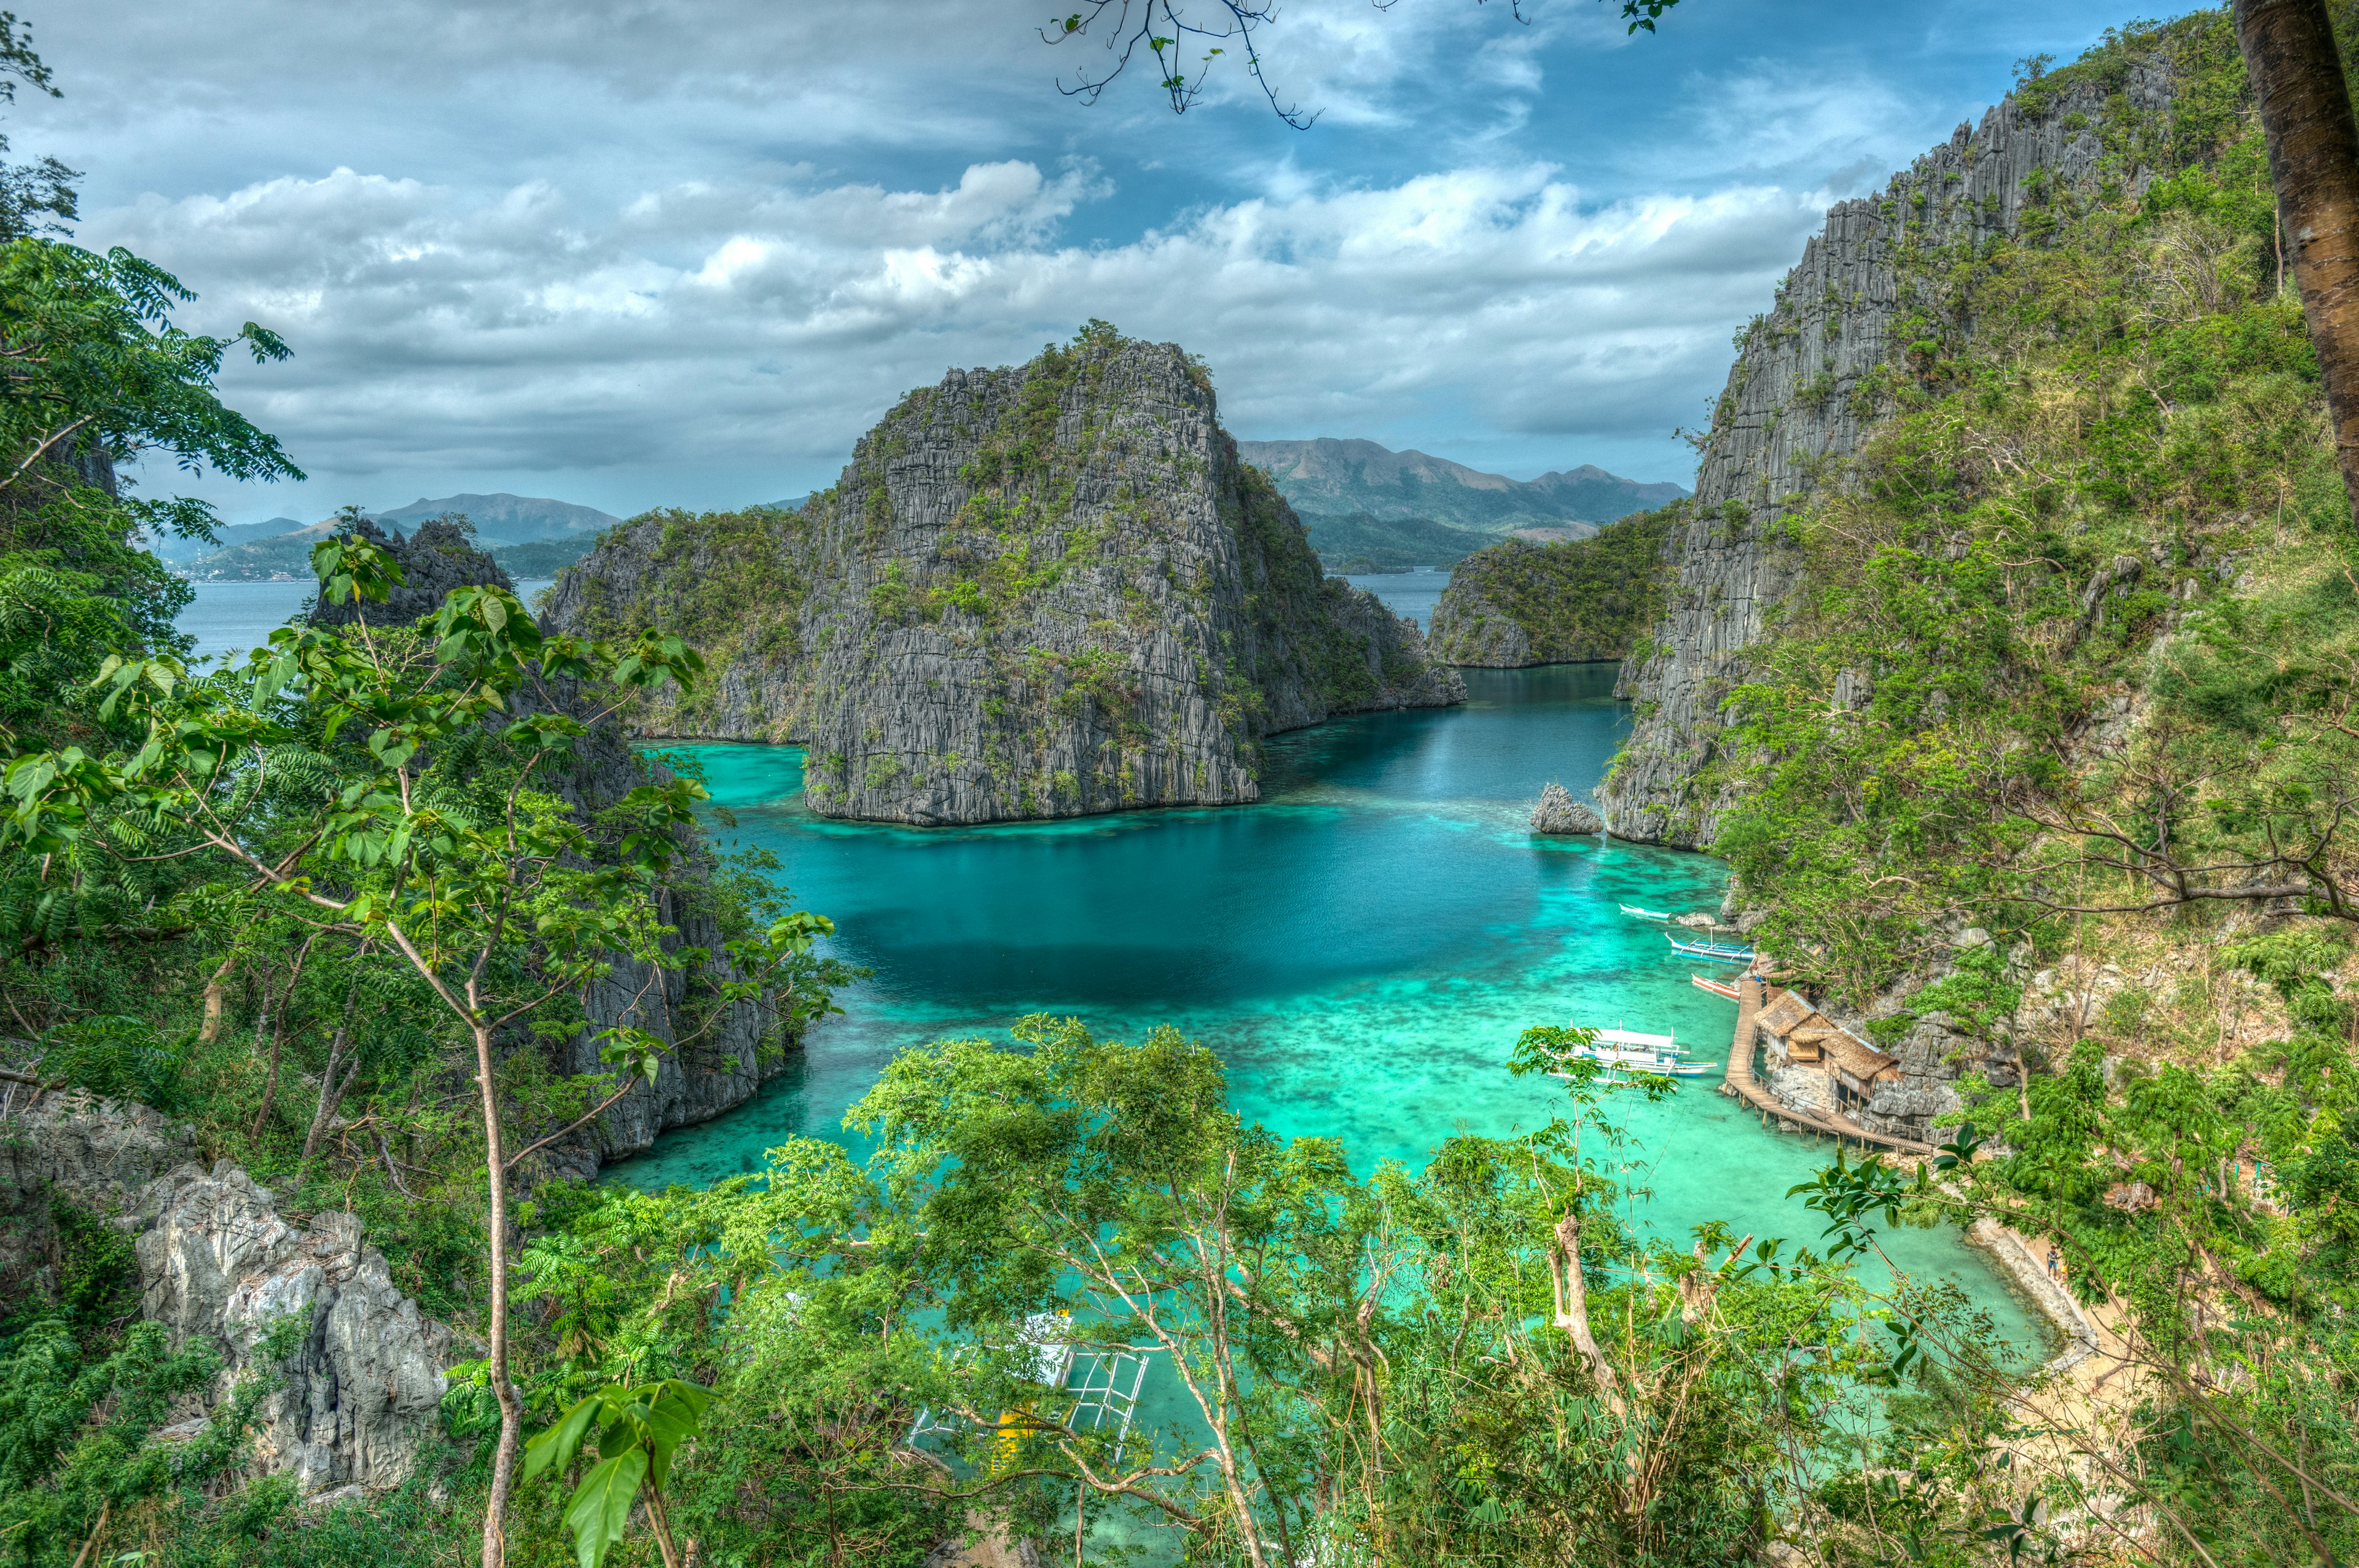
<point x="1037" y="593"/>
<point x="719" y="1059"/>
<point x="435" y="559"/>
<point x="1557" y="812"/>
<point x="98" y="1153"/>
<point x="1799" y="394"/>
<point x="363" y="1385"/>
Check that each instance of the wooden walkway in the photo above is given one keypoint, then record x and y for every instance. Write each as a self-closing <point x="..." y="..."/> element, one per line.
<point x="1737" y="1079"/>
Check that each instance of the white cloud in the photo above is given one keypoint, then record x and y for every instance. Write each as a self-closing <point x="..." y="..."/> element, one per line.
<point x="640" y="251"/>
<point x="711" y="324"/>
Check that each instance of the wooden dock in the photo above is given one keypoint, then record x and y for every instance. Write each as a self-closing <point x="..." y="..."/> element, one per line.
<point x="1737" y="1079"/>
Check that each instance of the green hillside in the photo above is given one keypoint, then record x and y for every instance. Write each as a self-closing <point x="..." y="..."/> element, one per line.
<point x="1358" y="542"/>
<point x="1348" y="478"/>
<point x="1517" y="603"/>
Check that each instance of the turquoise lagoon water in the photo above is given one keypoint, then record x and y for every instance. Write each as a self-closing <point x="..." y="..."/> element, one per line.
<point x="1361" y="949"/>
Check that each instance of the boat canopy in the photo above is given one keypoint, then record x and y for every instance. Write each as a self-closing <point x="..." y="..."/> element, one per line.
<point x="1627" y="1037"/>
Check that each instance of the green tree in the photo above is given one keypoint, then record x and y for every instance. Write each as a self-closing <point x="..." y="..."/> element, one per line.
<point x="501" y="907"/>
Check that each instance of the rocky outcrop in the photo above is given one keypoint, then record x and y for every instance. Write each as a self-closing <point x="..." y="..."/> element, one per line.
<point x="1472" y="628"/>
<point x="1557" y="812"/>
<point x="1037" y="592"/>
<point x="362" y="1388"/>
<point x="1807" y="383"/>
<point x="441" y="555"/>
<point x="364" y="1381"/>
<point x="720" y="1053"/>
<point x="1572" y="601"/>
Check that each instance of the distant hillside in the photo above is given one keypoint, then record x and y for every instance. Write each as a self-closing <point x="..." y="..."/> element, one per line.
<point x="553" y="533"/>
<point x="259" y="559"/>
<point x="543" y="558"/>
<point x="1359" y="543"/>
<point x="504" y="519"/>
<point x="236" y="534"/>
<point x="1340" y="477"/>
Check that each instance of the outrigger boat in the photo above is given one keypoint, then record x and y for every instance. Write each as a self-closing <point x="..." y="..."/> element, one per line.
<point x="1643" y="914"/>
<point x="1625" y="1049"/>
<point x="1720" y="952"/>
<point x="1717" y="987"/>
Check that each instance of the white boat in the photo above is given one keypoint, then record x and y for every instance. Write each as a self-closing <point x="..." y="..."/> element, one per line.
<point x="1643" y="914"/>
<point x="1626" y="1049"/>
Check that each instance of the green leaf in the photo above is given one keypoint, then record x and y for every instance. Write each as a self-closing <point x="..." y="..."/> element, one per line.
<point x="602" y="1505"/>
<point x="554" y="1449"/>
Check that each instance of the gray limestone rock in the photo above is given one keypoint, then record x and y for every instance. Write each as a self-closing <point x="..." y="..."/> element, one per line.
<point x="100" y="1154"/>
<point x="1799" y="394"/>
<point x="435" y="559"/>
<point x="364" y="1385"/>
<point x="1557" y="812"/>
<point x="1035" y="592"/>
<point x="720" y="1067"/>
<point x="218" y="1262"/>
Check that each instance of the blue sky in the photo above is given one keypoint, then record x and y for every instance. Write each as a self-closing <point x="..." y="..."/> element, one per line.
<point x="641" y="252"/>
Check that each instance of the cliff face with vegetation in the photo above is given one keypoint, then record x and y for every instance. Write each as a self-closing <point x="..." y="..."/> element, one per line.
<point x="1519" y="603"/>
<point x="1846" y="339"/>
<point x="1034" y="592"/>
<point x="2014" y="676"/>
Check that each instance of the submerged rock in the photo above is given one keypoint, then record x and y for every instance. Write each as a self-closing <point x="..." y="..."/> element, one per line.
<point x="1557" y="812"/>
<point x="1035" y="592"/>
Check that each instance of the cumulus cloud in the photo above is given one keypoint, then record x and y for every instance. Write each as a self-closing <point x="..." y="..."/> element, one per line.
<point x="710" y="324"/>
<point x="643" y="251"/>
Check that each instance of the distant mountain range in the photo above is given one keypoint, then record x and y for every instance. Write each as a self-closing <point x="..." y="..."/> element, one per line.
<point x="504" y="519"/>
<point x="530" y="535"/>
<point x="1347" y="478"/>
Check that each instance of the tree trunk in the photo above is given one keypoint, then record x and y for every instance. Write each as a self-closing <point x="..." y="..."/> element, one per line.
<point x="495" y="1507"/>
<point x="661" y="1519"/>
<point x="216" y="994"/>
<point x="2305" y="106"/>
<point x="332" y="1088"/>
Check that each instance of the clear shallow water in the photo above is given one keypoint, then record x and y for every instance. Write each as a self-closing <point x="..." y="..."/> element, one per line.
<point x="1361" y="949"/>
<point x="1412" y="594"/>
<point x="232" y="617"/>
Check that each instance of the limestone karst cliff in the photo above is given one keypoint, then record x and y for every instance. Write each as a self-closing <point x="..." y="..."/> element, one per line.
<point x="1812" y="374"/>
<point x="1034" y="592"/>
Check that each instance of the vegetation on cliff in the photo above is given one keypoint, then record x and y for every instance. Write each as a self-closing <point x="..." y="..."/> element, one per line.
<point x="2071" y="659"/>
<point x="1519" y="603"/>
<point x="1037" y="591"/>
<point x="2077" y="633"/>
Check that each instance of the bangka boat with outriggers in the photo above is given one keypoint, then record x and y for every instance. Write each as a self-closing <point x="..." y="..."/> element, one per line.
<point x="1718" y="952"/>
<point x="1619" y="1050"/>
<point x="1645" y="914"/>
